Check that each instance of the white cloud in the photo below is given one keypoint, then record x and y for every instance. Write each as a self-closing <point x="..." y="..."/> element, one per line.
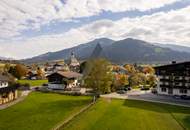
<point x="19" y="15"/>
<point x="125" y="5"/>
<point x="170" y="27"/>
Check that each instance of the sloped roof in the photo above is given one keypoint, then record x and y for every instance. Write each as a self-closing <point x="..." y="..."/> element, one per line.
<point x="4" y="78"/>
<point x="187" y="63"/>
<point x="68" y="74"/>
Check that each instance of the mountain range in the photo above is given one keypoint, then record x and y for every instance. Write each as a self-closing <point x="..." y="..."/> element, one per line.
<point x="174" y="47"/>
<point x="122" y="51"/>
<point x="5" y="58"/>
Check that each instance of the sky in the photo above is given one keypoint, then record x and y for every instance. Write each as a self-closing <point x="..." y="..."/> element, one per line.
<point x="32" y="27"/>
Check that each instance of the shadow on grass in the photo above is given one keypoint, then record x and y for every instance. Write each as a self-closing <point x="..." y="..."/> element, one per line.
<point x="156" y="107"/>
<point x="186" y="121"/>
<point x="66" y="103"/>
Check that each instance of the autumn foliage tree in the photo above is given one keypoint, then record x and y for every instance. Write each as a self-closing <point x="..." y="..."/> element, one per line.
<point x="141" y="77"/>
<point x="120" y="80"/>
<point x="130" y="69"/>
<point x="6" y="67"/>
<point x="40" y="73"/>
<point x="148" y="70"/>
<point x="18" y="71"/>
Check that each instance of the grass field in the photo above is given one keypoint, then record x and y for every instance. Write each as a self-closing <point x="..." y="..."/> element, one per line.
<point x="131" y="115"/>
<point x="33" y="82"/>
<point x="40" y="111"/>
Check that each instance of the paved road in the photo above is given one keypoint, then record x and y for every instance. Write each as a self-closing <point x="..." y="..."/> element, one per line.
<point x="148" y="96"/>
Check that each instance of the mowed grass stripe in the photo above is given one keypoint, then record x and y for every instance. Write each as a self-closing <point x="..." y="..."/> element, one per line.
<point x="33" y="82"/>
<point x="41" y="111"/>
<point x="131" y="115"/>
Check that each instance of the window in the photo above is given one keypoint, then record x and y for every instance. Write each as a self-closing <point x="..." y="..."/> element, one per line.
<point x="163" y="89"/>
<point x="187" y="78"/>
<point x="183" y="91"/>
<point x="178" y="84"/>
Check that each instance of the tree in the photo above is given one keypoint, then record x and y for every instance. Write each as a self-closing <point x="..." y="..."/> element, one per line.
<point x="148" y="70"/>
<point x="6" y="67"/>
<point x="120" y="80"/>
<point x="34" y="66"/>
<point x="98" y="76"/>
<point x="40" y="73"/>
<point x="151" y="80"/>
<point x="130" y="69"/>
<point x="12" y="70"/>
<point x="137" y="79"/>
<point x="18" y="71"/>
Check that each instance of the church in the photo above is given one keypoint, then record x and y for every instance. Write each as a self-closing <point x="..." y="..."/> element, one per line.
<point x="74" y="64"/>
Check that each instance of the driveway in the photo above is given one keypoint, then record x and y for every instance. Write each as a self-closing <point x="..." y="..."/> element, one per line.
<point x="148" y="96"/>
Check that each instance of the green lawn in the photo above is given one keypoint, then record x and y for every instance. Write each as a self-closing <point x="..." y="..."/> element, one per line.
<point x="131" y="115"/>
<point x="33" y="82"/>
<point x="41" y="111"/>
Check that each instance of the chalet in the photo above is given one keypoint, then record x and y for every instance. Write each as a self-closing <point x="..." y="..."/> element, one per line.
<point x="32" y="75"/>
<point x="7" y="93"/>
<point x="58" y="66"/>
<point x="63" y="80"/>
<point x="174" y="79"/>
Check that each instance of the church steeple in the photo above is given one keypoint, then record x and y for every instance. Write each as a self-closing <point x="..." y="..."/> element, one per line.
<point x="74" y="65"/>
<point x="73" y="60"/>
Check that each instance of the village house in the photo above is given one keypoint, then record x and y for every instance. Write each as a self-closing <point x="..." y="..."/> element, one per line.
<point x="31" y="75"/>
<point x="174" y="79"/>
<point x="64" y="80"/>
<point x="58" y="66"/>
<point x="7" y="93"/>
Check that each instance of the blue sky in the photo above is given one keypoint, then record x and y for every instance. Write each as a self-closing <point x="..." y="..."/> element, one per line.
<point x="29" y="28"/>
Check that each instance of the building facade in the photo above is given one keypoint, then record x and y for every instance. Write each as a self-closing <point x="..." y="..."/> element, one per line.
<point x="63" y="80"/>
<point x="7" y="93"/>
<point x="174" y="79"/>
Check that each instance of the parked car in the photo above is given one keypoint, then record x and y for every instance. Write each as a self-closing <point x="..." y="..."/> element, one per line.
<point x="177" y="96"/>
<point x="121" y="91"/>
<point x="125" y="88"/>
<point x="45" y="84"/>
<point x="128" y="88"/>
<point x="154" y="91"/>
<point x="185" y="97"/>
<point x="144" y="88"/>
<point x="36" y="88"/>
